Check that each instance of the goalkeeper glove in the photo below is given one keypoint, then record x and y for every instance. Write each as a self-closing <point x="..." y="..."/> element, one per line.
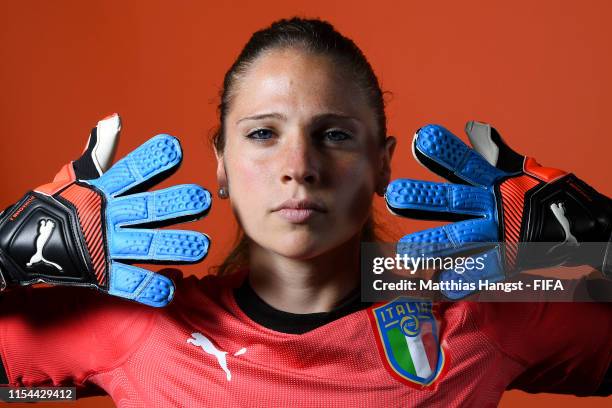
<point x="498" y="195"/>
<point x="80" y="230"/>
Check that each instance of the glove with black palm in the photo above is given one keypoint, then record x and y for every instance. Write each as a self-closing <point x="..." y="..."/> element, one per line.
<point x="80" y="230"/>
<point x="499" y="196"/>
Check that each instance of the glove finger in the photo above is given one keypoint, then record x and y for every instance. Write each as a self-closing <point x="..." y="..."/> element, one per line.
<point x="487" y="141"/>
<point x="140" y="285"/>
<point x="182" y="202"/>
<point x="459" y="278"/>
<point x="100" y="149"/>
<point x="439" y="201"/>
<point x="159" y="245"/>
<point x="157" y="155"/>
<point x="449" y="240"/>
<point x="446" y="155"/>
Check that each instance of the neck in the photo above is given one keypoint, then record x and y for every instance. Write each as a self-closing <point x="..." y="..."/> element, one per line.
<point x="305" y="286"/>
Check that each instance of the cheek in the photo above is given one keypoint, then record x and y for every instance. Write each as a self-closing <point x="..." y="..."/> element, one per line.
<point x="247" y="178"/>
<point x="250" y="182"/>
<point x="354" y="187"/>
<point x="346" y="184"/>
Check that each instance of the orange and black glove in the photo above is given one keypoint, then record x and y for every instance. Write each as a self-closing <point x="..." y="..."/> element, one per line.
<point x="498" y="196"/>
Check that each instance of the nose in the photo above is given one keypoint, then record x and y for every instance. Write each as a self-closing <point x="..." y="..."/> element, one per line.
<point x="300" y="163"/>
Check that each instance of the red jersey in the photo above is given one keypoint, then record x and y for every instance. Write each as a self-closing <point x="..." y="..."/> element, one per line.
<point x="203" y="350"/>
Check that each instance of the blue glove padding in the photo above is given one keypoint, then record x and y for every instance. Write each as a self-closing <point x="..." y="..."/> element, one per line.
<point x="500" y="196"/>
<point x="156" y="156"/>
<point x="473" y="203"/>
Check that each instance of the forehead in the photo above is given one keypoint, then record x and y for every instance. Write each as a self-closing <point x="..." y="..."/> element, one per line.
<point x="292" y="81"/>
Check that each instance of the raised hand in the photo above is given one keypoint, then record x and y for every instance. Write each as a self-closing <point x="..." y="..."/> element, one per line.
<point x="84" y="227"/>
<point x="499" y="196"/>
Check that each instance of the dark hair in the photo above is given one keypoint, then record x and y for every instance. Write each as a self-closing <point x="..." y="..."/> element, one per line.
<point x="311" y="35"/>
<point x="316" y="36"/>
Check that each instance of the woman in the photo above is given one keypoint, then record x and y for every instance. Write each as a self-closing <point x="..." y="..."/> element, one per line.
<point x="302" y="148"/>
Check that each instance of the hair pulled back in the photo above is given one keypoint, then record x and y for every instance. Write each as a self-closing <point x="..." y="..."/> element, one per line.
<point x="313" y="36"/>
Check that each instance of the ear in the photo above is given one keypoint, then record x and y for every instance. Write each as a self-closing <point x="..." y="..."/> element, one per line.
<point x="221" y="174"/>
<point x="385" y="171"/>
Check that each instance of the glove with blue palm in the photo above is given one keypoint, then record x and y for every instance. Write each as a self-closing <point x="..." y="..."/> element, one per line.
<point x="498" y="196"/>
<point x="80" y="230"/>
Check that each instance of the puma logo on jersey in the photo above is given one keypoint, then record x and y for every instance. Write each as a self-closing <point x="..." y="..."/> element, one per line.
<point x="198" y="339"/>
<point x="45" y="229"/>
<point x="558" y="210"/>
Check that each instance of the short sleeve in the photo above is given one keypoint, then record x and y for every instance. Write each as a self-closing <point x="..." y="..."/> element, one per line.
<point x="62" y="335"/>
<point x="564" y="347"/>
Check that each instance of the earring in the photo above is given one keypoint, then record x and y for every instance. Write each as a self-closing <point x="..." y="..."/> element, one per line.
<point x="223" y="193"/>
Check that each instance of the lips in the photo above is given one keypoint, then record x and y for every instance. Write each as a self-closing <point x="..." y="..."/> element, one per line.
<point x="298" y="211"/>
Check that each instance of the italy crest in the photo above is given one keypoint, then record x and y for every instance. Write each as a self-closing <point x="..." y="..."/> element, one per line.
<point x="408" y="340"/>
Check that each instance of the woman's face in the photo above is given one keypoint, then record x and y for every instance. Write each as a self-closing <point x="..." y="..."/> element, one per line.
<point x="303" y="156"/>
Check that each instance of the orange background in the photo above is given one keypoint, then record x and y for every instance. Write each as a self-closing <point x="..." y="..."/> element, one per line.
<point x="538" y="70"/>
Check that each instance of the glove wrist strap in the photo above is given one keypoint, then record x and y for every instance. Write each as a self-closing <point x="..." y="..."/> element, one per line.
<point x="40" y="241"/>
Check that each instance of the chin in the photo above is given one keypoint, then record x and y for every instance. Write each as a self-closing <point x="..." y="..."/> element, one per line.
<point x="300" y="245"/>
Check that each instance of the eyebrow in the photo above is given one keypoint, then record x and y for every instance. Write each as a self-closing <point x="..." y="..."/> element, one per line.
<point x="317" y="118"/>
<point x="274" y="115"/>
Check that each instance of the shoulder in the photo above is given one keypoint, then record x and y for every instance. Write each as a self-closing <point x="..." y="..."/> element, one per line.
<point x="63" y="302"/>
<point x="528" y="330"/>
<point x="209" y="284"/>
<point x="505" y="315"/>
<point x="205" y="291"/>
<point x="63" y="331"/>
